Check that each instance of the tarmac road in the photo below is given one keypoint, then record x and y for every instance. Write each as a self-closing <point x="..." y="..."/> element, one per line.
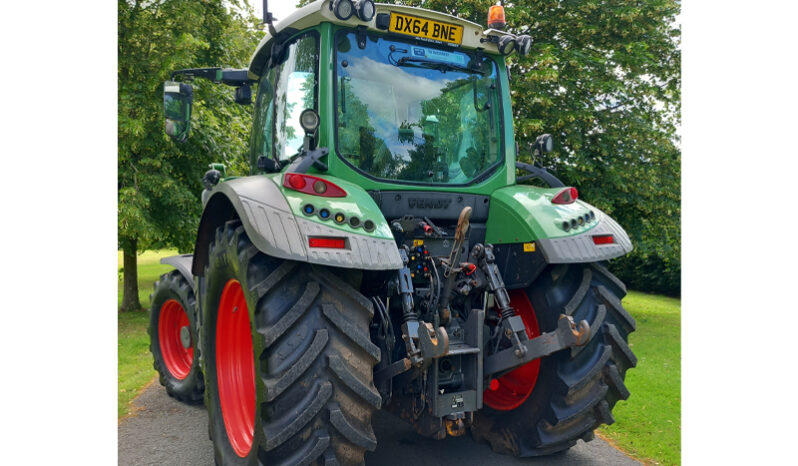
<point x="166" y="432"/>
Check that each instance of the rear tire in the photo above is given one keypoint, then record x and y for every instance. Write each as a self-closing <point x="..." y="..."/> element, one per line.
<point x="576" y="389"/>
<point x="311" y="353"/>
<point x="174" y="307"/>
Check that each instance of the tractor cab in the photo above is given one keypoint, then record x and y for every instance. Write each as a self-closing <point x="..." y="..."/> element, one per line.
<point x="405" y="96"/>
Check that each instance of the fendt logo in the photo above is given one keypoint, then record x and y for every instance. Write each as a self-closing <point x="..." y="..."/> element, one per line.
<point x="421" y="203"/>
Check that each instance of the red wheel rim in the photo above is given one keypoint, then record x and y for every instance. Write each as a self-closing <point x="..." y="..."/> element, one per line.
<point x="235" y="368"/>
<point x="513" y="388"/>
<point x="171" y="321"/>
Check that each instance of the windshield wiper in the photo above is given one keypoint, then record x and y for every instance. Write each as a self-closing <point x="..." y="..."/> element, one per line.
<point x="435" y="65"/>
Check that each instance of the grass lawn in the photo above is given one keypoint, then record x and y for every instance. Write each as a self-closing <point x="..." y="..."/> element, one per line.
<point x="135" y="362"/>
<point x="647" y="426"/>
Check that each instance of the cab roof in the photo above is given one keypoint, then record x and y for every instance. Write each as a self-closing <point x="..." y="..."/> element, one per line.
<point x="319" y="12"/>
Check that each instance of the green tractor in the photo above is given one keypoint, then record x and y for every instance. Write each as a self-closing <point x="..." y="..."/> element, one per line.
<point x="383" y="255"/>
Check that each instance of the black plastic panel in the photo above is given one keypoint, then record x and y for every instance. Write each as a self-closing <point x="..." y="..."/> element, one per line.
<point x="435" y="205"/>
<point x="519" y="268"/>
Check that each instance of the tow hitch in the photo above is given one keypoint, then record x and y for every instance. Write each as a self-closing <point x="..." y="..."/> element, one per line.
<point x="566" y="336"/>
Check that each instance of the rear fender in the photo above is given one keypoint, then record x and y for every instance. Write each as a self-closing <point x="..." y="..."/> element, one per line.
<point x="273" y="220"/>
<point x="525" y="214"/>
<point x="183" y="265"/>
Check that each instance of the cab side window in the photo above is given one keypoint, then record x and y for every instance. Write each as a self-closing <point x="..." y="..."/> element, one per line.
<point x="284" y="91"/>
<point x="261" y="125"/>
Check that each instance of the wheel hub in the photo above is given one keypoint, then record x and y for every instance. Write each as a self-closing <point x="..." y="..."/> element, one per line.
<point x="177" y="353"/>
<point x="185" y="337"/>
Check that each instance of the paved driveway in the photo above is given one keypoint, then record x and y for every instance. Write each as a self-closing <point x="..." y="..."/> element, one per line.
<point x="167" y="432"/>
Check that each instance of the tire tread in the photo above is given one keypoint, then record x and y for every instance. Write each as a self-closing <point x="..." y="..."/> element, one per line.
<point x="189" y="390"/>
<point x="313" y="357"/>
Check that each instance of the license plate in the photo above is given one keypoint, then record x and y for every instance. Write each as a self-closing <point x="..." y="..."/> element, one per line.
<point x="426" y="28"/>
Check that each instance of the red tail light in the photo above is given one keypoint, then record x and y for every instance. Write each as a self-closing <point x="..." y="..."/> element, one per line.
<point x="309" y="184"/>
<point x="566" y="196"/>
<point x="603" y="239"/>
<point x="332" y="243"/>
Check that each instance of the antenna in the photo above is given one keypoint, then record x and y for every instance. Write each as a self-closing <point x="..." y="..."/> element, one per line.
<point x="268" y="18"/>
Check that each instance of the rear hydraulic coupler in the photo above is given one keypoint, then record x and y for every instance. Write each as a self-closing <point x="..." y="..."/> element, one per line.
<point x="432" y="342"/>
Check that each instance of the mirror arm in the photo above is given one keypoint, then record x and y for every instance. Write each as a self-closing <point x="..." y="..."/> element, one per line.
<point x="228" y="76"/>
<point x="191" y="73"/>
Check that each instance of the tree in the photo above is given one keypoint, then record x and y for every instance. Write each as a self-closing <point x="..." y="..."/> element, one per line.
<point x="159" y="182"/>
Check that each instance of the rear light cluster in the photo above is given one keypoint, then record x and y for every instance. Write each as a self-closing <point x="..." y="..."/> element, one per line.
<point x="566" y="196"/>
<point x="309" y="184"/>
<point x="579" y="221"/>
<point x="339" y="217"/>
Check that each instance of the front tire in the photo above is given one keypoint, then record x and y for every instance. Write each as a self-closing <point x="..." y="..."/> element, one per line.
<point x="173" y="338"/>
<point x="289" y="379"/>
<point x="576" y="389"/>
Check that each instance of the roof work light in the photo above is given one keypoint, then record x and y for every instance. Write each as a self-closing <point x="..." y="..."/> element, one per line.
<point x="343" y="9"/>
<point x="507" y="44"/>
<point x="524" y="44"/>
<point x="365" y="9"/>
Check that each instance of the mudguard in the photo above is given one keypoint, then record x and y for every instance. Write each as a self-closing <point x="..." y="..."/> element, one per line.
<point x="581" y="248"/>
<point x="272" y="217"/>
<point x="525" y="214"/>
<point x="183" y="265"/>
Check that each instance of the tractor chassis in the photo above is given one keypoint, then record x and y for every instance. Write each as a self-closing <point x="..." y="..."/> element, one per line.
<point x="447" y="362"/>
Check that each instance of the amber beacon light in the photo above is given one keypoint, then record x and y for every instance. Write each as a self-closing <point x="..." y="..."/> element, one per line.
<point x="496" y="17"/>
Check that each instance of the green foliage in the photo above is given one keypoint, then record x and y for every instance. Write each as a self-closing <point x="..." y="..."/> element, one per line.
<point x="134" y="358"/>
<point x="648" y="424"/>
<point x="160" y="181"/>
<point x="603" y="77"/>
<point x="134" y="369"/>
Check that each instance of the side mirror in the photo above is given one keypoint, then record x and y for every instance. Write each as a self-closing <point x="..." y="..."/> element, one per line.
<point x="177" y="98"/>
<point x="543" y="144"/>
<point x="244" y="95"/>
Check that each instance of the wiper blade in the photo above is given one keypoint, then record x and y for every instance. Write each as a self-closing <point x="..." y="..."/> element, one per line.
<point x="436" y="65"/>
